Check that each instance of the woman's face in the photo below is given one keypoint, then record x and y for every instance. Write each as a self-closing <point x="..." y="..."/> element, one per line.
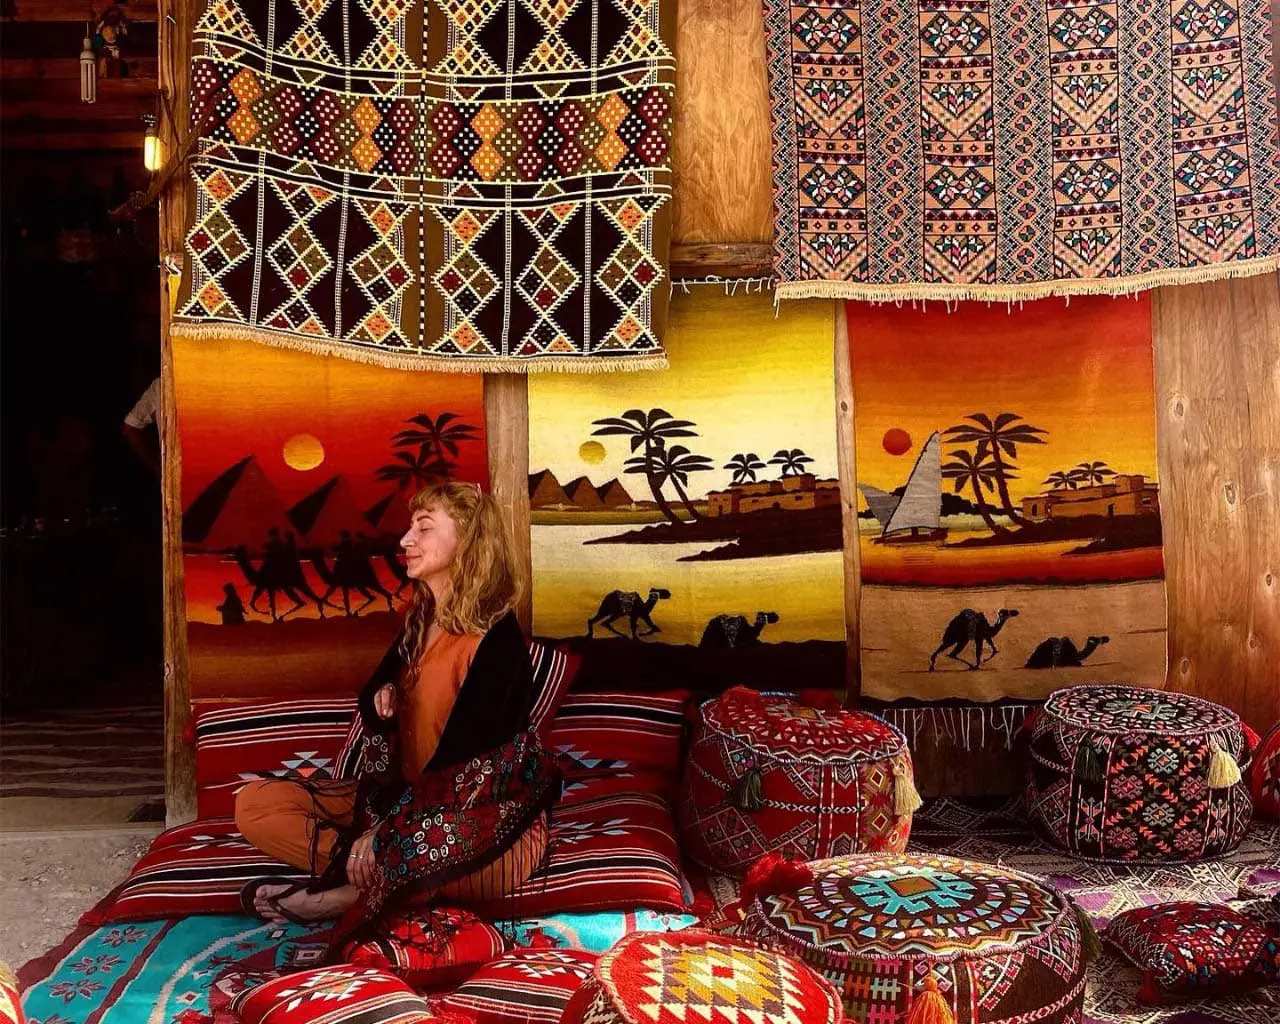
<point x="430" y="544"/>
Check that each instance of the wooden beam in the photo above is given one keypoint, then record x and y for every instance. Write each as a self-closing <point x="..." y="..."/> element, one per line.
<point x="68" y="68"/>
<point x="725" y="259"/>
<point x="179" y="751"/>
<point x="1217" y="374"/>
<point x="54" y="108"/>
<point x="72" y="10"/>
<point x="506" y="421"/>
<point x="848" y="473"/>
<point x="51" y="140"/>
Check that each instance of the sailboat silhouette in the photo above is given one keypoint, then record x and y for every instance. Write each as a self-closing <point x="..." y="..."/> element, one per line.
<point x="914" y="517"/>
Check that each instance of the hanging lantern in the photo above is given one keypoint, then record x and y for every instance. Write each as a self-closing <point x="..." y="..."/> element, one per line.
<point x="88" y="69"/>
<point x="152" y="147"/>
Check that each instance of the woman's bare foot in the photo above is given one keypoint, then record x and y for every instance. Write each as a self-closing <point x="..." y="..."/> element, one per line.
<point x="306" y="906"/>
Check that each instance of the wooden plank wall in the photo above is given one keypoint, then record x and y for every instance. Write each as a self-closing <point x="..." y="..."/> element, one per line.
<point x="1218" y="369"/>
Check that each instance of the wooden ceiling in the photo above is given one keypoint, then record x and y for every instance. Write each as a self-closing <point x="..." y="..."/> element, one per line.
<point x="40" y="108"/>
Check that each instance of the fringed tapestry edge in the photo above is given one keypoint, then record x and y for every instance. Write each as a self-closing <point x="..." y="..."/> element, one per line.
<point x="944" y="292"/>
<point x="420" y="363"/>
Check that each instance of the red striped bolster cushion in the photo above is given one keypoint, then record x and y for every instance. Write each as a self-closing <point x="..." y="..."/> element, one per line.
<point x="526" y="986"/>
<point x="198" y="868"/>
<point x="553" y="673"/>
<point x="281" y="739"/>
<point x="620" y="742"/>
<point x="617" y="852"/>
<point x="343" y="994"/>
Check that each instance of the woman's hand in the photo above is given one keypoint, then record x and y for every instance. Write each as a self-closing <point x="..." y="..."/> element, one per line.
<point x="361" y="867"/>
<point x="384" y="701"/>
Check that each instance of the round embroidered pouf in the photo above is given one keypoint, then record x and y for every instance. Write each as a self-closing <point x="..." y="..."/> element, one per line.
<point x="922" y="937"/>
<point x="1120" y="773"/>
<point x="1264" y="779"/>
<point x="767" y="774"/>
<point x="681" y="977"/>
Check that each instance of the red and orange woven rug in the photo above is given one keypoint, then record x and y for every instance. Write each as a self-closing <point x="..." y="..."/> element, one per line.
<point x="296" y="473"/>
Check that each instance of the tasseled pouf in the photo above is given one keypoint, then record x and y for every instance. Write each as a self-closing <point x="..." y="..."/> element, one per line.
<point x="1120" y="773"/>
<point x="1265" y="777"/>
<point x="682" y="977"/>
<point x="927" y="939"/>
<point x="768" y="774"/>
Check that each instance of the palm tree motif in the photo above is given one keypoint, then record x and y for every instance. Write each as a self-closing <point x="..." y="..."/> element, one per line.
<point x="415" y="469"/>
<point x="1063" y="480"/>
<point x="975" y="472"/>
<point x="673" y="464"/>
<point x="442" y="434"/>
<point x="435" y="440"/>
<point x="1093" y="472"/>
<point x="744" y="467"/>
<point x="649" y="430"/>
<point x="792" y="462"/>
<point x="1000" y="437"/>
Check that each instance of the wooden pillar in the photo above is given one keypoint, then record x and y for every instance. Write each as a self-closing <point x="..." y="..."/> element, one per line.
<point x="506" y="420"/>
<point x="179" y="753"/>
<point x="848" y="472"/>
<point x="1218" y="386"/>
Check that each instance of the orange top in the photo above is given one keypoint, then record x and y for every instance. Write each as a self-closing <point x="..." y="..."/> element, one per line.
<point x="425" y="707"/>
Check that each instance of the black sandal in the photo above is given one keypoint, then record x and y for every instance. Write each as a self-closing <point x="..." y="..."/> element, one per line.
<point x="249" y="894"/>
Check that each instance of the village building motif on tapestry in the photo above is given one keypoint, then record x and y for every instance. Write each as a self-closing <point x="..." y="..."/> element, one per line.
<point x="434" y="186"/>
<point x="1009" y="515"/>
<point x="296" y="478"/>
<point x="1003" y="151"/>
<point x="692" y="518"/>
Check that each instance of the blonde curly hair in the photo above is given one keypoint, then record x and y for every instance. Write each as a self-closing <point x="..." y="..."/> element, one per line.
<point x="485" y="582"/>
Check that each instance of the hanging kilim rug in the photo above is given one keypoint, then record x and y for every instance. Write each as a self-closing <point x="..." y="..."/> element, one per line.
<point x="1009" y="513"/>
<point x="296" y="478"/>
<point x="957" y="149"/>
<point x="686" y="526"/>
<point x="434" y="185"/>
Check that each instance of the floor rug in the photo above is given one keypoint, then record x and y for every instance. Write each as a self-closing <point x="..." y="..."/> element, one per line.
<point x="296" y="471"/>
<point x="687" y="525"/>
<point x="996" y="831"/>
<point x="434" y="186"/>
<point x="1007" y="151"/>
<point x="1009" y="526"/>
<point x="187" y="970"/>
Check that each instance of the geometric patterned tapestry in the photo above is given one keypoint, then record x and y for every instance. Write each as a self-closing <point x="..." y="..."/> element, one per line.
<point x="296" y="474"/>
<point x="1008" y="498"/>
<point x="979" y="150"/>
<point x="434" y="185"/>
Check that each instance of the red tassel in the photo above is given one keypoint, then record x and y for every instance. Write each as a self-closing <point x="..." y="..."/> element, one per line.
<point x="824" y="700"/>
<point x="745" y="695"/>
<point x="1251" y="738"/>
<point x="930" y="1007"/>
<point x="772" y="875"/>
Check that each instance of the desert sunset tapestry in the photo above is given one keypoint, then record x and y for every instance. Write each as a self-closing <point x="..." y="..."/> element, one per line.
<point x="296" y="472"/>
<point x="693" y="515"/>
<point x="1009" y="505"/>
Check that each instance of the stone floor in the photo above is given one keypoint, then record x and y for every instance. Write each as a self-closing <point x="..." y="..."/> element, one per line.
<point x="49" y="878"/>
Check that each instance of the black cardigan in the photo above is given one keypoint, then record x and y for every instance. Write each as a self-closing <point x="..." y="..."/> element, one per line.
<point x="493" y="705"/>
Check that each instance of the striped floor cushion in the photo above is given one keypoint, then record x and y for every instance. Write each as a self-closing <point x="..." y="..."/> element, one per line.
<point x="343" y="994"/>
<point x="611" y="853"/>
<point x="198" y="868"/>
<point x="279" y="739"/>
<point x="619" y="742"/>
<point x="526" y="986"/>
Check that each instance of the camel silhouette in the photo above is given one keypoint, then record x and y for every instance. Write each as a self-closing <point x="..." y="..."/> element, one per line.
<point x="620" y="603"/>
<point x="399" y="570"/>
<point x="1060" y="652"/>
<point x="971" y="627"/>
<point x="735" y="631"/>
<point x="351" y="570"/>
<point x="266" y="579"/>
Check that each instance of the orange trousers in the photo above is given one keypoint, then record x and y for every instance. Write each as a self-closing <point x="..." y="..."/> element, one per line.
<point x="280" y="817"/>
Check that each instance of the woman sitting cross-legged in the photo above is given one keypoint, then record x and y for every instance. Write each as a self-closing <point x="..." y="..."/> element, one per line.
<point x="453" y="791"/>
